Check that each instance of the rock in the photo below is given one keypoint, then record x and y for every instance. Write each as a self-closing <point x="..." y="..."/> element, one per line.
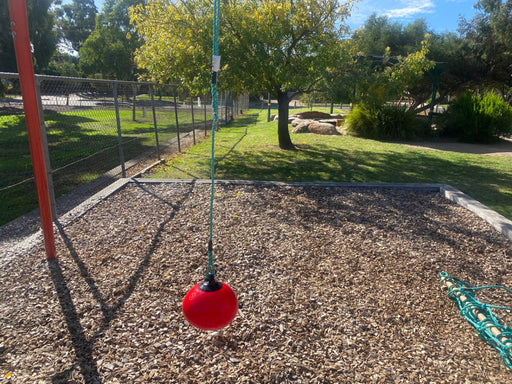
<point x="329" y="121"/>
<point x="296" y="122"/>
<point x="312" y="115"/>
<point x="302" y="126"/>
<point x="322" y="128"/>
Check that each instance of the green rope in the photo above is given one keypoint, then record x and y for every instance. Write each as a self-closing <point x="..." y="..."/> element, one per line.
<point x="470" y="308"/>
<point x="210" y="270"/>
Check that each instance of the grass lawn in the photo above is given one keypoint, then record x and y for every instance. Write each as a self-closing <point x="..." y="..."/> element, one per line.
<point x="247" y="150"/>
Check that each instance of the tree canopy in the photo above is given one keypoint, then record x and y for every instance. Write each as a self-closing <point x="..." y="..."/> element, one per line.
<point x="108" y="50"/>
<point x="42" y="35"/>
<point x="76" y="21"/>
<point x="280" y="46"/>
<point x="488" y="40"/>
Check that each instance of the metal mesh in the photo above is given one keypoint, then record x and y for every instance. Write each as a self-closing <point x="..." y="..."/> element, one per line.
<point x="93" y="136"/>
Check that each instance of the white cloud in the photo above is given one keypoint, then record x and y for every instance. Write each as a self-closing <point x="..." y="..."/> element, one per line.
<point x="426" y="6"/>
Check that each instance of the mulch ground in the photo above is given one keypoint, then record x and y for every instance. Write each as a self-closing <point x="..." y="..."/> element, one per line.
<point x="335" y="285"/>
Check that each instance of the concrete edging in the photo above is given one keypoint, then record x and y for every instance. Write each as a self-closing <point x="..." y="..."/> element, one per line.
<point x="499" y="222"/>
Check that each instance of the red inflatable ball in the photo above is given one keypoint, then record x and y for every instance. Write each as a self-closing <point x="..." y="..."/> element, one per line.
<point x="210" y="305"/>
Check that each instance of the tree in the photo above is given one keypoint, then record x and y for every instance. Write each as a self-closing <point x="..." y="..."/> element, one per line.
<point x="378" y="34"/>
<point x="109" y="49"/>
<point x="280" y="46"/>
<point x="7" y="58"/>
<point x="63" y="64"/>
<point x="41" y="30"/>
<point x="76" y="21"/>
<point x="488" y="37"/>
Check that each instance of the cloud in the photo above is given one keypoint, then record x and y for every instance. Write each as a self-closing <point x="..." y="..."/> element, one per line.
<point x="426" y="6"/>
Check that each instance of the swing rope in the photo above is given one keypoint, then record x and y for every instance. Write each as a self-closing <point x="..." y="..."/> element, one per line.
<point x="480" y="315"/>
<point x="210" y="270"/>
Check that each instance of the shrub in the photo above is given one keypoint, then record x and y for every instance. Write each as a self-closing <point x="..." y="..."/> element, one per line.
<point x="477" y="118"/>
<point x="385" y="122"/>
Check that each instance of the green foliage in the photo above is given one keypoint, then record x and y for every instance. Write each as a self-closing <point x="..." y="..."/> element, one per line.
<point x="477" y="118"/>
<point x="380" y="79"/>
<point x="43" y="36"/>
<point x="385" y="122"/>
<point x="488" y="39"/>
<point x="63" y="64"/>
<point x="108" y="51"/>
<point x="76" y="21"/>
<point x="266" y="45"/>
<point x="378" y="34"/>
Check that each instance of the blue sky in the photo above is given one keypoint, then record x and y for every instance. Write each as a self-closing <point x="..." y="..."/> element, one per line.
<point x="440" y="15"/>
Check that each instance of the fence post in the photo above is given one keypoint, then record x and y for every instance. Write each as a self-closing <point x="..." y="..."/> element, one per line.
<point x="118" y="124"/>
<point x="134" y="90"/>
<point x="177" y="122"/>
<point x="225" y="108"/>
<point x="269" y="107"/>
<point x="205" y="129"/>
<point x="44" y="137"/>
<point x="154" y="120"/>
<point x="193" y="122"/>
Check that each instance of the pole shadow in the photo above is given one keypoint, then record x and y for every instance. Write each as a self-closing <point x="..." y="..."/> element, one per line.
<point x="82" y="345"/>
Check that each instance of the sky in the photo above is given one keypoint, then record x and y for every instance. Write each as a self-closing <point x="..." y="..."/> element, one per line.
<point x="440" y="15"/>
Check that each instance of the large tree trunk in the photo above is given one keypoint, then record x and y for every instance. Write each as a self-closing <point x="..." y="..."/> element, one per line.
<point x="285" y="142"/>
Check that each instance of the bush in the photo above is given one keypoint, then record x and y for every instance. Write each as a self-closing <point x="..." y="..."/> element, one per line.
<point x="477" y="118"/>
<point x="385" y="122"/>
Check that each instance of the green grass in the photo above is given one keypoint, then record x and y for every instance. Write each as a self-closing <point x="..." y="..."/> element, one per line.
<point x="247" y="150"/>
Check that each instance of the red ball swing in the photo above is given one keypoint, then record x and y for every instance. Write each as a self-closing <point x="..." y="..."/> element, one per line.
<point x="211" y="305"/>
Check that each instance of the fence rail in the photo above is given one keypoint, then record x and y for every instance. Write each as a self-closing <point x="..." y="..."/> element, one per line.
<point x="92" y="127"/>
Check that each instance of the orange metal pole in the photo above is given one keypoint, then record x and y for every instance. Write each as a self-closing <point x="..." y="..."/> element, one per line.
<point x="19" y="27"/>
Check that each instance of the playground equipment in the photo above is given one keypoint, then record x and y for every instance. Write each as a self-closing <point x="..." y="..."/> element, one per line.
<point x="19" y="27"/>
<point x="480" y="315"/>
<point x="211" y="305"/>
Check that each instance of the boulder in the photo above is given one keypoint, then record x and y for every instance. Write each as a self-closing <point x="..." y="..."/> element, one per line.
<point x="296" y="122"/>
<point x="322" y="128"/>
<point x="302" y="126"/>
<point x="312" y="115"/>
<point x="329" y="121"/>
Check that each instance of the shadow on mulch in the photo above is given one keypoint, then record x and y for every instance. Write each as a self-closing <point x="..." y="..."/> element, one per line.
<point x="82" y="345"/>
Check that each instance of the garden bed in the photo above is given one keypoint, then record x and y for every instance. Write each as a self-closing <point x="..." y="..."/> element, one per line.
<point x="335" y="285"/>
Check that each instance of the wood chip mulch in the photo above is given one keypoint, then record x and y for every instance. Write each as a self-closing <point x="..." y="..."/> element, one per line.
<point x="335" y="286"/>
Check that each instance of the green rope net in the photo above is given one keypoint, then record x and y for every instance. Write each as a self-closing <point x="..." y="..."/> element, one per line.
<point x="210" y="270"/>
<point x="490" y="328"/>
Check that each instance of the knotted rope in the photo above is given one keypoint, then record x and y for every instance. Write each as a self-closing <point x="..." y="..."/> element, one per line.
<point x="480" y="315"/>
<point x="210" y="270"/>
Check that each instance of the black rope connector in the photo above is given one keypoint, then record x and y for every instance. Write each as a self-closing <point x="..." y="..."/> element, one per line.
<point x="210" y="284"/>
<point x="214" y="77"/>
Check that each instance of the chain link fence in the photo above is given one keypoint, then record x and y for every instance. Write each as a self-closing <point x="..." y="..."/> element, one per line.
<point x="96" y="131"/>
